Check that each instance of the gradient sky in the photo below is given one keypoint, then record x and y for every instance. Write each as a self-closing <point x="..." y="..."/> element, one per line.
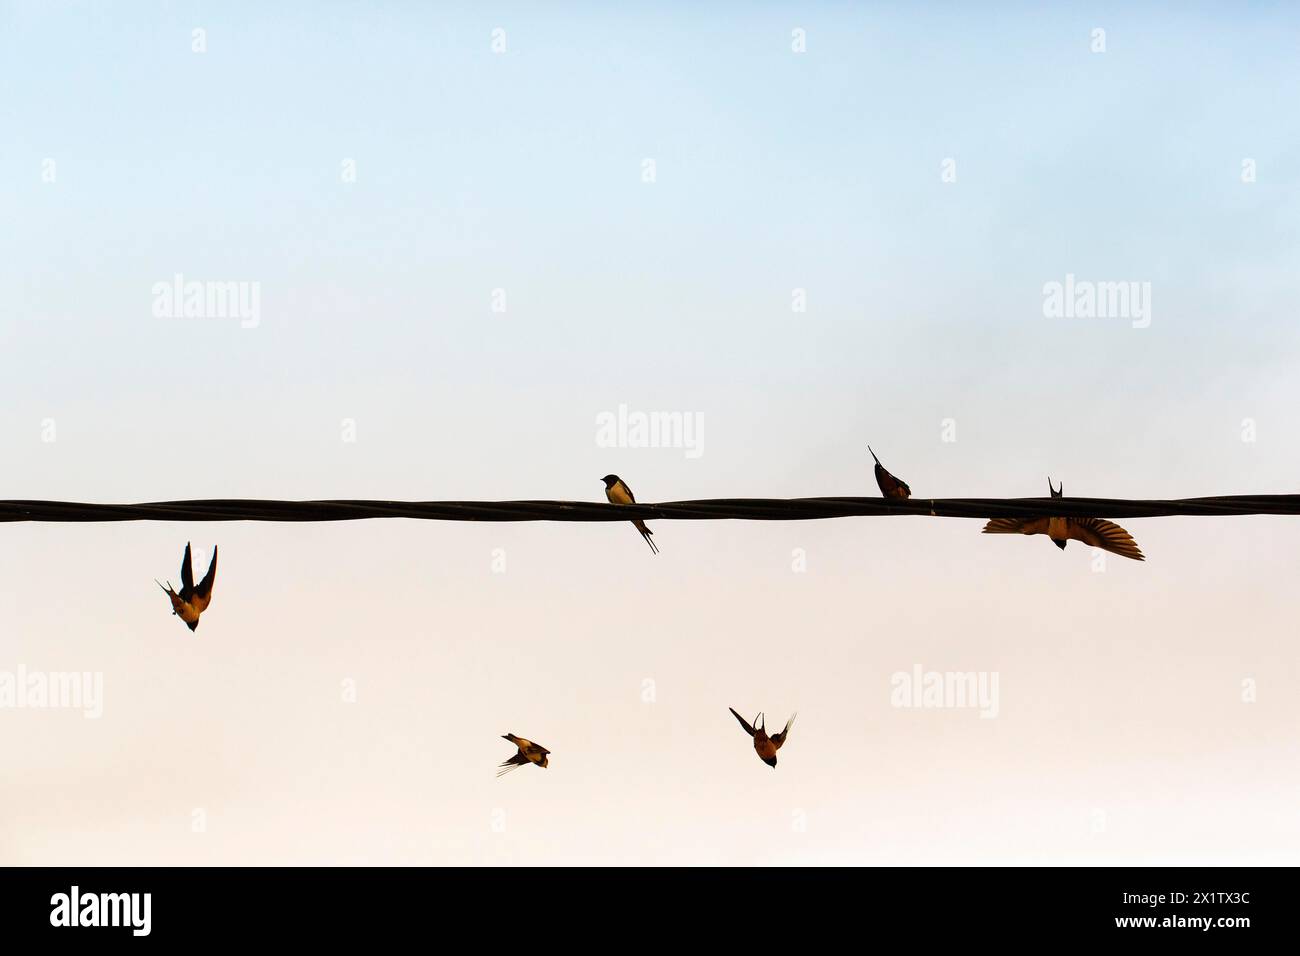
<point x="1122" y="735"/>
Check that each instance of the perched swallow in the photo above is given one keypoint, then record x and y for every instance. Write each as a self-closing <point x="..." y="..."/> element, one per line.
<point x="618" y="493"/>
<point x="890" y="486"/>
<point x="192" y="601"/>
<point x="529" y="752"/>
<point x="1096" y="532"/>
<point x="765" y="746"/>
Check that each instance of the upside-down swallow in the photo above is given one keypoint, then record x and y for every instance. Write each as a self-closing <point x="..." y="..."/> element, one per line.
<point x="192" y="601"/>
<point x="618" y="493"/>
<point x="765" y="746"/>
<point x="1096" y="532"/>
<point x="529" y="752"/>
<point x="890" y="486"/>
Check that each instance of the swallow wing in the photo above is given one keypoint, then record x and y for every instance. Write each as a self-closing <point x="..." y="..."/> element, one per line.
<point x="187" y="574"/>
<point x="779" y="739"/>
<point x="1016" y="526"/>
<point x="743" y="722"/>
<point x="1100" y="533"/>
<point x="203" y="593"/>
<point x="889" y="485"/>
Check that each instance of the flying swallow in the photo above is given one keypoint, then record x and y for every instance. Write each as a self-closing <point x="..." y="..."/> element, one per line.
<point x="529" y="752"/>
<point x="890" y="486"/>
<point x="192" y="601"/>
<point x="1095" y="532"/>
<point x="765" y="746"/>
<point x="618" y="493"/>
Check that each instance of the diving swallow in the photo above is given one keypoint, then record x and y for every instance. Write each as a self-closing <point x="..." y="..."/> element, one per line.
<point x="890" y="486"/>
<point x="529" y="752"/>
<point x="192" y="601"/>
<point x="618" y="493"/>
<point x="1095" y="532"/>
<point x="765" y="746"/>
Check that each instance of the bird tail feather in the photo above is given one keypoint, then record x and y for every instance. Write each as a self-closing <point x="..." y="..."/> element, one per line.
<point x="646" y="533"/>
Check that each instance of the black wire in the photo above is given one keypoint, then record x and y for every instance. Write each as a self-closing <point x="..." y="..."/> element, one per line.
<point x="744" y="509"/>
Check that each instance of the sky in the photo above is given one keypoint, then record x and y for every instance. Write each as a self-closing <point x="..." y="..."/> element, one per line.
<point x="473" y="231"/>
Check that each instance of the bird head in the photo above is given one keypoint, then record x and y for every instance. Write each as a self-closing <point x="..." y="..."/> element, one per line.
<point x="610" y="480"/>
<point x="543" y="761"/>
<point x="770" y="761"/>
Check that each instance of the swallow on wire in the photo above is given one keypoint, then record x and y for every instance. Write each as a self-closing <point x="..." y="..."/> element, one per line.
<point x="529" y="752"/>
<point x="765" y="746"/>
<point x="1095" y="532"/>
<point x="192" y="601"/>
<point x="618" y="493"/>
<point x="890" y="486"/>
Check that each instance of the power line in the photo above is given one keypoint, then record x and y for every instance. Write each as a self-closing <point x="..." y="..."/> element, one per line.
<point x="713" y="509"/>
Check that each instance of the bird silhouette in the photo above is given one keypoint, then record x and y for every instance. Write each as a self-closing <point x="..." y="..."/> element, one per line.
<point x="890" y="486"/>
<point x="765" y="746"/>
<point x="1095" y="532"/>
<point x="529" y="752"/>
<point x="192" y="601"/>
<point x="618" y="493"/>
